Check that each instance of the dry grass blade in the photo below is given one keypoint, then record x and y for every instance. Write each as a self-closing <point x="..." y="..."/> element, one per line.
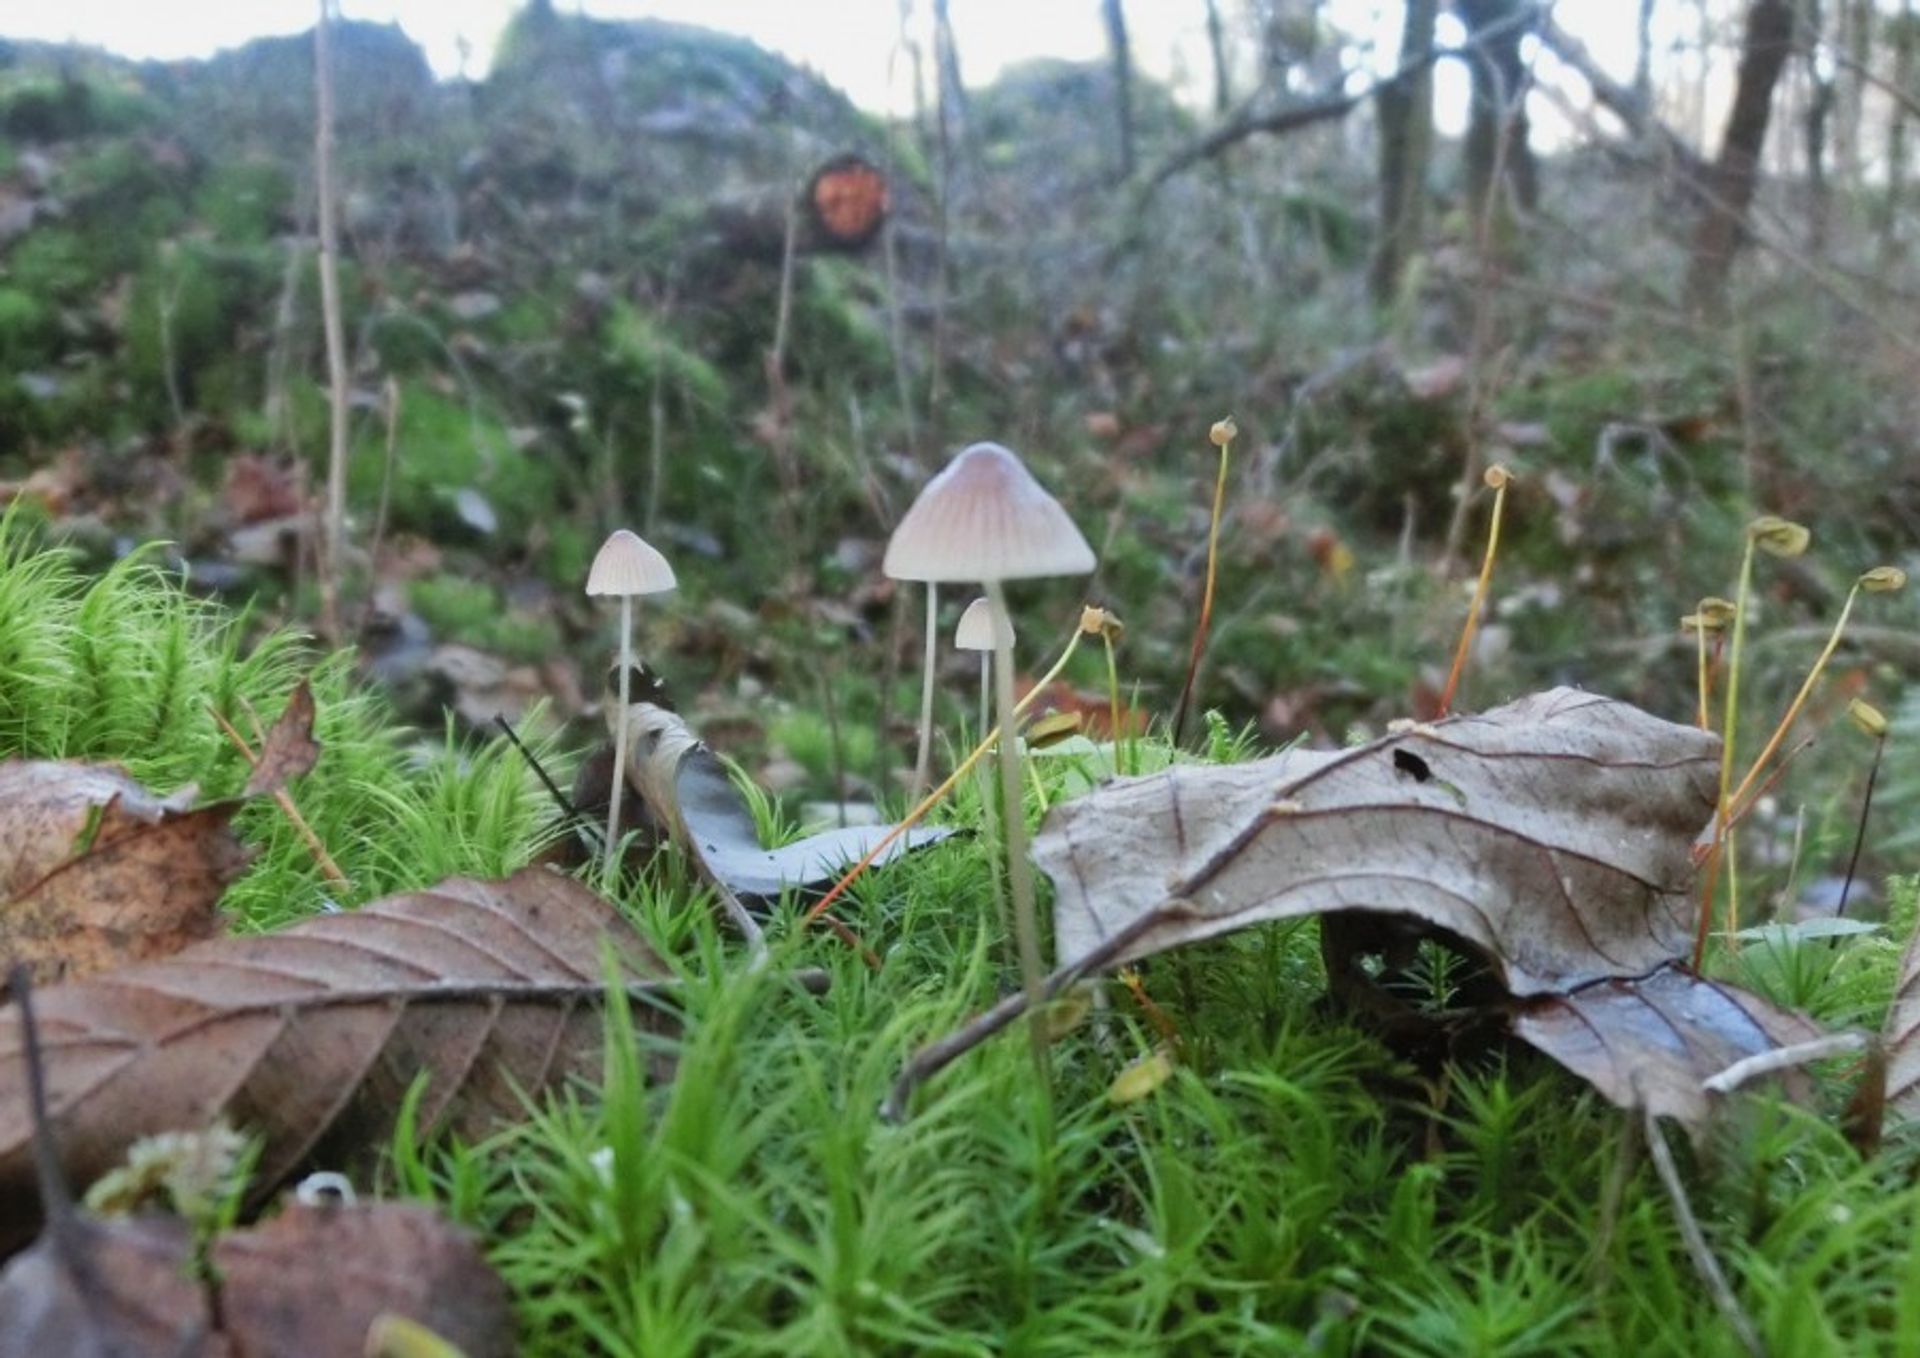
<point x="311" y="1036"/>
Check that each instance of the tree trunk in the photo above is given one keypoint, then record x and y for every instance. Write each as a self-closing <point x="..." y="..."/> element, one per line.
<point x="1821" y="91"/>
<point x="1405" y="110"/>
<point x="1497" y="147"/>
<point x="1903" y="35"/>
<point x="1854" y="40"/>
<point x="1643" y="55"/>
<point x="1730" y="181"/>
<point x="1122" y="59"/>
<point x="1217" y="47"/>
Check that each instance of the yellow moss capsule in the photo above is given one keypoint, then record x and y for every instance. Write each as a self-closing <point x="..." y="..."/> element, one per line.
<point x="1778" y="536"/>
<point x="1883" y="580"/>
<point x="1223" y="432"/>
<point x="1496" y="476"/>
<point x="1718" y="612"/>
<point x="1141" y="1077"/>
<point x="1870" y="719"/>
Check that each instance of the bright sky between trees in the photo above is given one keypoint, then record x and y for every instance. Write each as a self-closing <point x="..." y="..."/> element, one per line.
<point x="853" y="43"/>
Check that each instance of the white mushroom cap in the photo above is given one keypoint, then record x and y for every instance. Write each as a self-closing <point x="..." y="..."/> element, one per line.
<point x="975" y="632"/>
<point x="984" y="517"/>
<point x="625" y="564"/>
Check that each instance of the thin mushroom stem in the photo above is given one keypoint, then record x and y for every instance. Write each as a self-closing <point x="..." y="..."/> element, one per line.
<point x="923" y="760"/>
<point x="1013" y="817"/>
<point x="619" y="739"/>
<point x="926" y="803"/>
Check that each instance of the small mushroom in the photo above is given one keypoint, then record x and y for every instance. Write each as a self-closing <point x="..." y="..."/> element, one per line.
<point x="985" y="518"/>
<point x="627" y="567"/>
<point x="975" y="633"/>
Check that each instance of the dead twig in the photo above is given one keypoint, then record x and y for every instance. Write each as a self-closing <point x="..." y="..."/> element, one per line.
<point x="1696" y="1241"/>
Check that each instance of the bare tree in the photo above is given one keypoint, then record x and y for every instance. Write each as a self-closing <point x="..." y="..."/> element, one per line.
<point x="1816" y="122"/>
<point x="1404" y="107"/>
<point x="1730" y="180"/>
<point x="1122" y="58"/>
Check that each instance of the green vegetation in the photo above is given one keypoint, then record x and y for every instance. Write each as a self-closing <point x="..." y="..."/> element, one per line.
<point x="1295" y="1184"/>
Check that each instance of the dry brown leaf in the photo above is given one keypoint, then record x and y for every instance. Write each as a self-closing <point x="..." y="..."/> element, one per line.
<point x="309" y="1037"/>
<point x="311" y="1282"/>
<point x="1650" y="1042"/>
<point x="289" y="749"/>
<point x="1553" y="833"/>
<point x="684" y="786"/>
<point x="96" y="871"/>
<point x="94" y="1288"/>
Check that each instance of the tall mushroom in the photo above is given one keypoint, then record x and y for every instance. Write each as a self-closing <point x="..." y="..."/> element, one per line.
<point x="625" y="566"/>
<point x="985" y="518"/>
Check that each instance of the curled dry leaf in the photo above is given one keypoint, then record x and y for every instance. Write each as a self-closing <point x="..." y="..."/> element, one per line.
<point x="684" y="787"/>
<point x="107" y="1289"/>
<point x="1554" y="834"/>
<point x="310" y="1037"/>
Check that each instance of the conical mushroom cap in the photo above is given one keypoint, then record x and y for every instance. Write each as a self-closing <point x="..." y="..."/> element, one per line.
<point x="975" y="632"/>
<point x="625" y="564"/>
<point x="984" y="517"/>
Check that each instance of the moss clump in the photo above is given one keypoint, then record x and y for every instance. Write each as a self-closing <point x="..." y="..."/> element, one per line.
<point x="126" y="667"/>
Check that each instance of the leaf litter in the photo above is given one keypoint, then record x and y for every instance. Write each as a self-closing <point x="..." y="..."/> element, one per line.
<point x="95" y="870"/>
<point x="1553" y="837"/>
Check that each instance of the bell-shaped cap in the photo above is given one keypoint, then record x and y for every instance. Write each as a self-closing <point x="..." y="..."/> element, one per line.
<point x="984" y="517"/>
<point x="975" y="632"/>
<point x="626" y="565"/>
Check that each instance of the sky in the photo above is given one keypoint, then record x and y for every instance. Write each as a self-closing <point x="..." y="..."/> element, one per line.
<point x="853" y="43"/>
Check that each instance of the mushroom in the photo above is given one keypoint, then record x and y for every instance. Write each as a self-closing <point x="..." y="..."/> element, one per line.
<point x="975" y="633"/>
<point x="985" y="518"/>
<point x="625" y="566"/>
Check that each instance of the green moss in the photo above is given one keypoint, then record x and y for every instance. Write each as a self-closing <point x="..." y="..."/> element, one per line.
<point x="443" y="445"/>
<point x="461" y="609"/>
<point x="642" y="346"/>
<point x="27" y="332"/>
<point x="246" y="202"/>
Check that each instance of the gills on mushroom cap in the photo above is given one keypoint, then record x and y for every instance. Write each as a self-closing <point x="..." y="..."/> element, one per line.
<point x="984" y="517"/>
<point x="627" y="564"/>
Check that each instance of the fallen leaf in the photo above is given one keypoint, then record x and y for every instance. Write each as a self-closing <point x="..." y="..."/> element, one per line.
<point x="313" y="1280"/>
<point x="1901" y="1036"/>
<point x="1554" y="834"/>
<point x="1552" y="837"/>
<point x="96" y="871"/>
<point x="309" y="1037"/>
<point x="1141" y="1077"/>
<point x="686" y="789"/>
<point x="107" y="1289"/>
<point x="289" y="749"/>
<point x="1649" y="1042"/>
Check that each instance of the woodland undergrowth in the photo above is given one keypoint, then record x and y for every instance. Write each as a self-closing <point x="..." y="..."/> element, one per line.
<point x="1292" y="1187"/>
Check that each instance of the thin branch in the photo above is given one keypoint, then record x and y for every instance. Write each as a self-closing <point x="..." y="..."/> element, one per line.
<point x="1696" y="1240"/>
